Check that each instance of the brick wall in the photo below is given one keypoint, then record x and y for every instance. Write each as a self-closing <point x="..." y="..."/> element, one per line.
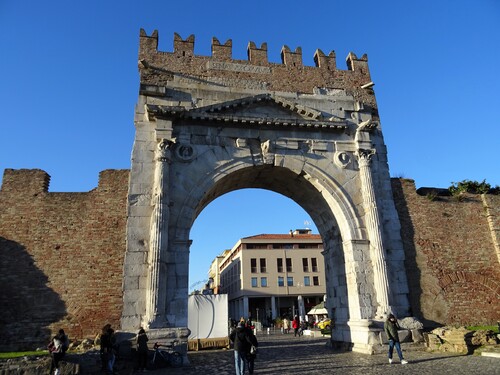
<point x="61" y="257"/>
<point x="451" y="260"/>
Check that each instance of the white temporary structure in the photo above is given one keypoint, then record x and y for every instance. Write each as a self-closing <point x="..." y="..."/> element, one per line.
<point x="319" y="309"/>
<point x="208" y="316"/>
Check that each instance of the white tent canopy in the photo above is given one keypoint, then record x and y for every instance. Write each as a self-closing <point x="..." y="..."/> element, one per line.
<point x="319" y="309"/>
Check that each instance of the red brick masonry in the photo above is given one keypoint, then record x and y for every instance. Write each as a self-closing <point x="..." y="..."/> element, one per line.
<point x="61" y="256"/>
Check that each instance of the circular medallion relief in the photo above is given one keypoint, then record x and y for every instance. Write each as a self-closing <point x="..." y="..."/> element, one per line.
<point x="184" y="152"/>
<point x="342" y="159"/>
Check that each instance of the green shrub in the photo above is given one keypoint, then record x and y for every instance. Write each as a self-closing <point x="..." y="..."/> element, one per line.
<point x="431" y="196"/>
<point x="472" y="187"/>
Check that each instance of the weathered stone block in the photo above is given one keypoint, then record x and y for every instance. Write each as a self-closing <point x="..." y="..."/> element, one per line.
<point x="140" y="211"/>
<point x="131" y="282"/>
<point x="417" y="335"/>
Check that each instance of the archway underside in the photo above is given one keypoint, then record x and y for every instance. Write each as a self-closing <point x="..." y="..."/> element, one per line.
<point x="341" y="297"/>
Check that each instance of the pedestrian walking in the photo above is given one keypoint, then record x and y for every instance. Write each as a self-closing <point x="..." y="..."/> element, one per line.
<point x="391" y="327"/>
<point x="108" y="341"/>
<point x="103" y="342"/>
<point x="242" y="345"/>
<point x="252" y="354"/>
<point x="296" y="325"/>
<point x="286" y="325"/>
<point x="142" y="349"/>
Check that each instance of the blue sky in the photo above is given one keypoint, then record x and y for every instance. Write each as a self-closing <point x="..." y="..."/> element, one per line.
<point x="69" y="82"/>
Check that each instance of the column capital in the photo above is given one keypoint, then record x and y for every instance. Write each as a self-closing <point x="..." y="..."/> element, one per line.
<point x="162" y="153"/>
<point x="364" y="156"/>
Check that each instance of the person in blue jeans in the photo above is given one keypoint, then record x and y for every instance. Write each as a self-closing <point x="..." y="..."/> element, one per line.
<point x="391" y="327"/>
<point x="242" y="344"/>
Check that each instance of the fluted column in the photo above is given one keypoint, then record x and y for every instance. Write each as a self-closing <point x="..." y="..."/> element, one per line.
<point x="157" y="268"/>
<point x="374" y="228"/>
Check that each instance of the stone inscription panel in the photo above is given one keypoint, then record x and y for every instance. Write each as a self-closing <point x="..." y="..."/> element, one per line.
<point x="225" y="82"/>
<point x="235" y="67"/>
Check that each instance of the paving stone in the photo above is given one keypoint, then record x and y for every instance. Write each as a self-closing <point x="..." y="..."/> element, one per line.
<point x="286" y="354"/>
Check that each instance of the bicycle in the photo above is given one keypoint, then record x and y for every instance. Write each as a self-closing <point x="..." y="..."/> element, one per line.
<point x="162" y="358"/>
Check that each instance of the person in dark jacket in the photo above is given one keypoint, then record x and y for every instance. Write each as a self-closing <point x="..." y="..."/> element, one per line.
<point x="142" y="349"/>
<point x="64" y="340"/>
<point x="108" y="341"/>
<point x="252" y="354"/>
<point x="104" y="340"/>
<point x="242" y="344"/>
<point x="391" y="327"/>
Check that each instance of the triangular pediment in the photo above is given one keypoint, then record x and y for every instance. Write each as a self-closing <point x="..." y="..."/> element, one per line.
<point x="261" y="106"/>
<point x="264" y="109"/>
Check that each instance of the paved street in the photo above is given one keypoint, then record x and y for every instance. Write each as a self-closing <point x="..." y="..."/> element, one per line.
<point x="285" y="354"/>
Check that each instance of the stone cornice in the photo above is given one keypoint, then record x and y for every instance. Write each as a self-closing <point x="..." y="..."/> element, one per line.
<point x="299" y="116"/>
<point x="171" y="112"/>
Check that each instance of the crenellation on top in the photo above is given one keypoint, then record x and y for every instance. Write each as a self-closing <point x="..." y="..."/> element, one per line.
<point x="291" y="59"/>
<point x="158" y="68"/>
<point x="184" y="48"/>
<point x="357" y="65"/>
<point x="323" y="61"/>
<point x="36" y="181"/>
<point x="25" y="181"/>
<point x="148" y="43"/>
<point x="257" y="56"/>
<point x="222" y="52"/>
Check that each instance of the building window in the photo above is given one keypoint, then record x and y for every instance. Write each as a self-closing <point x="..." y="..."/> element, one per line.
<point x="262" y="265"/>
<point x="253" y="265"/>
<point x="289" y="281"/>
<point x="256" y="246"/>
<point x="307" y="281"/>
<point x="281" y="281"/>
<point x="254" y="282"/>
<point x="288" y="264"/>
<point x="263" y="282"/>
<point x="315" y="280"/>
<point x="279" y="264"/>
<point x="305" y="265"/>
<point x="314" y="264"/>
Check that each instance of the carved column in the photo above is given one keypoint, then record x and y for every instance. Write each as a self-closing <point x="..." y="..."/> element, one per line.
<point x="374" y="232"/>
<point x="157" y="267"/>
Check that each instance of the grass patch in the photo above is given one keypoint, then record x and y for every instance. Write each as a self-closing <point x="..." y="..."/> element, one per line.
<point x="38" y="353"/>
<point x="483" y="328"/>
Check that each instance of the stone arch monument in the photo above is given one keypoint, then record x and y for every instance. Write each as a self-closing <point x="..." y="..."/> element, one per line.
<point x="208" y="125"/>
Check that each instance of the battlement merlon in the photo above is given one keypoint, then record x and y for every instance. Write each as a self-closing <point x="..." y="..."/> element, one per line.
<point x="289" y="76"/>
<point x="37" y="181"/>
<point x="25" y="181"/>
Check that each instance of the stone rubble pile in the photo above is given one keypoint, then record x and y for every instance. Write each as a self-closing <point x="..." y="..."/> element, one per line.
<point x="459" y="340"/>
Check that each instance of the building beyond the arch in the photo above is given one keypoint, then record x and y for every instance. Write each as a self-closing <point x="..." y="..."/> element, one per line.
<point x="268" y="276"/>
<point x="206" y="126"/>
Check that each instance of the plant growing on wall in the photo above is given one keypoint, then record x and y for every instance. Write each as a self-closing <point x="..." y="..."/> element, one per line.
<point x="472" y="187"/>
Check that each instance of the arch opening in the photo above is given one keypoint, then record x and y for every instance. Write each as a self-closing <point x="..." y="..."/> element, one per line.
<point x="299" y="189"/>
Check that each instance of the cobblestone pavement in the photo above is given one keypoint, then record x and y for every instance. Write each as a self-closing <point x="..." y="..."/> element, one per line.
<point x="286" y="354"/>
